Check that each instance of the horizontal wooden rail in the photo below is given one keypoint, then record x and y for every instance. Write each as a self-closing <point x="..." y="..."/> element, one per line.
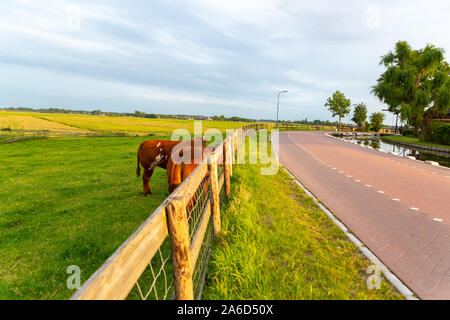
<point x="200" y="234"/>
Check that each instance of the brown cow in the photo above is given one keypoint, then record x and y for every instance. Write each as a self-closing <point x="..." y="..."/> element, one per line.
<point x="152" y="154"/>
<point x="178" y="171"/>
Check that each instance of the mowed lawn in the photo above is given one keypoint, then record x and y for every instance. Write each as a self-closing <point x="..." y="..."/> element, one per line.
<point x="67" y="202"/>
<point x="103" y="124"/>
<point x="277" y="244"/>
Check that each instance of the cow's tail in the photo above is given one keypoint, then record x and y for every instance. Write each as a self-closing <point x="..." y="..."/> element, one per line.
<point x="138" y="170"/>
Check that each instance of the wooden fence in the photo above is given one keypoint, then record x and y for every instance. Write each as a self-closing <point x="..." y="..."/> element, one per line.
<point x="172" y="246"/>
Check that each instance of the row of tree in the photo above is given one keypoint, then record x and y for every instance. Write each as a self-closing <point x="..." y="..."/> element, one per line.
<point x="415" y="86"/>
<point x="340" y="106"/>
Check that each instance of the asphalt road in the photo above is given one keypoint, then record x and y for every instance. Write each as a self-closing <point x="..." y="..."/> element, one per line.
<point x="399" y="208"/>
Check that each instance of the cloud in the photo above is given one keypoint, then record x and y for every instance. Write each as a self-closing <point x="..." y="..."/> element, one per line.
<point x="205" y="57"/>
<point x="373" y="18"/>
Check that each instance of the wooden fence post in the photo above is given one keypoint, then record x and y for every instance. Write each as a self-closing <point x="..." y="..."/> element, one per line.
<point x="226" y="168"/>
<point x="180" y="243"/>
<point x="215" y="201"/>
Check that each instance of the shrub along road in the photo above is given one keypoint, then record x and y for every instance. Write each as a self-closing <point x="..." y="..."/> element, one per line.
<point x="398" y="207"/>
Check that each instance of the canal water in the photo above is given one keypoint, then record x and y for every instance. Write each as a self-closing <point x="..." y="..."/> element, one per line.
<point x="377" y="143"/>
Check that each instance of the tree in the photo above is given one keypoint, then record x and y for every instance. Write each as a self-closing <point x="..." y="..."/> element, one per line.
<point x="339" y="105"/>
<point x="360" y="114"/>
<point x="139" y="114"/>
<point x="415" y="85"/>
<point x="376" y="120"/>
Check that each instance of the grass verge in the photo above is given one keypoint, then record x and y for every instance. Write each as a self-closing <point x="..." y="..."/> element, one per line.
<point x="277" y="244"/>
<point x="415" y="141"/>
<point x="104" y="124"/>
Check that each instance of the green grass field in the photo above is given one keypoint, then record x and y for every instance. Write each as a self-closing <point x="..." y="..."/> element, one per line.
<point x="67" y="202"/>
<point x="415" y="141"/>
<point x="277" y="244"/>
<point x="72" y="123"/>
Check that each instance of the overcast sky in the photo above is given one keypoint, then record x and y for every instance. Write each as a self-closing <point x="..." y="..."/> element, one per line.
<point x="207" y="57"/>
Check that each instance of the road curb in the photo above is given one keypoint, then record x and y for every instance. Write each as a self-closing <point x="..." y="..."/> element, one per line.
<point x="390" y="276"/>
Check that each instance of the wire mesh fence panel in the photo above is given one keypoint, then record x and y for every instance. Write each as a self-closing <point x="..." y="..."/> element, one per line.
<point x="197" y="204"/>
<point x="156" y="282"/>
<point x="219" y="170"/>
<point x="200" y="269"/>
<point x="222" y="193"/>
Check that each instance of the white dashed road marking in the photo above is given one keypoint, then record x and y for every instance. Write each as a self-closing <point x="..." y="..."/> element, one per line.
<point x="415" y="209"/>
<point x="395" y="199"/>
<point x="438" y="220"/>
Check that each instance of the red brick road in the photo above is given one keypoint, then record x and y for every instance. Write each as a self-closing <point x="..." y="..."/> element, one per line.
<point x="393" y="205"/>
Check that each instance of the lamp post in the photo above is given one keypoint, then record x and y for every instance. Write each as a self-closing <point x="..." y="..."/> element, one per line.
<point x="278" y="103"/>
<point x="396" y="119"/>
<point x="350" y="113"/>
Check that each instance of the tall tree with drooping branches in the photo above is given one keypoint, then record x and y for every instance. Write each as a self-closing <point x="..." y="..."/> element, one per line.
<point x="415" y="85"/>
<point x="339" y="105"/>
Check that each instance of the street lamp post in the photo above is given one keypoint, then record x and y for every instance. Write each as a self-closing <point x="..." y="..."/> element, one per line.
<point x="278" y="103"/>
<point x="396" y="122"/>
<point x="350" y="113"/>
<point x="396" y="119"/>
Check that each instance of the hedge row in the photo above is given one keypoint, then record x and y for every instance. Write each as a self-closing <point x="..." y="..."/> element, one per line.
<point x="439" y="133"/>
